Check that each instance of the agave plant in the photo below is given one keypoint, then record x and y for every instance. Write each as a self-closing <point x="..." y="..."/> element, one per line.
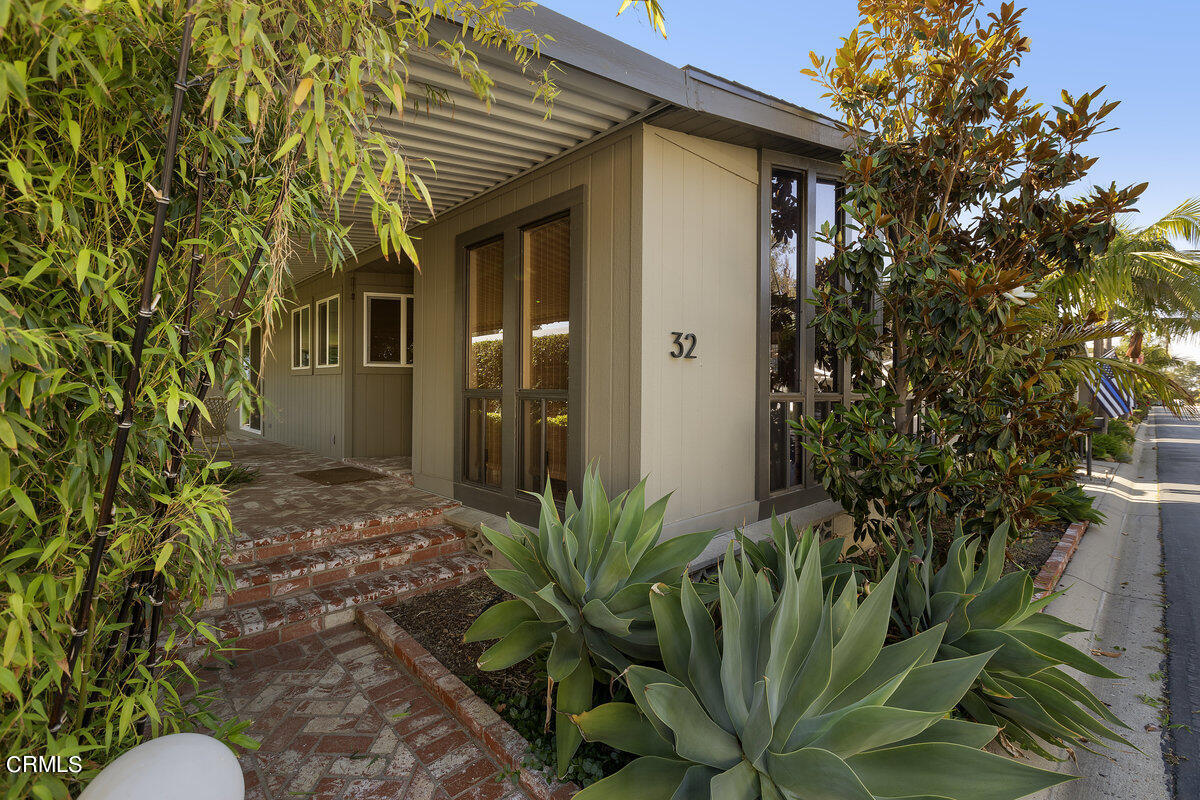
<point x="798" y="698"/>
<point x="581" y="584"/>
<point x="786" y="551"/>
<point x="1023" y="690"/>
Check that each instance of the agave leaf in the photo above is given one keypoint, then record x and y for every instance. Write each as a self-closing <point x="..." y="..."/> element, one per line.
<point x="1012" y="656"/>
<point x="565" y="654"/>
<point x="499" y="620"/>
<point x="704" y="662"/>
<point x="623" y="725"/>
<point x="1077" y="691"/>
<point x="697" y="737"/>
<point x="863" y="639"/>
<point x="551" y="595"/>
<point x="597" y="513"/>
<point x="598" y="615"/>
<point x="518" y="645"/>
<point x="646" y="778"/>
<point x="938" y="686"/>
<point x="513" y="581"/>
<point x="955" y="731"/>
<point x="863" y="728"/>
<point x="662" y="562"/>
<point x="673" y="641"/>
<point x="650" y="531"/>
<point x="818" y="774"/>
<point x="948" y="770"/>
<point x="697" y="784"/>
<point x="738" y="783"/>
<point x="629" y="523"/>
<point x="998" y="603"/>
<point x="735" y="669"/>
<point x="895" y="659"/>
<point x="1063" y="653"/>
<point x="1062" y="708"/>
<point x="633" y="601"/>
<point x="756" y="736"/>
<point x="811" y="680"/>
<point x="518" y="553"/>
<point x="574" y="696"/>
<point x="1045" y="623"/>
<point x="611" y="572"/>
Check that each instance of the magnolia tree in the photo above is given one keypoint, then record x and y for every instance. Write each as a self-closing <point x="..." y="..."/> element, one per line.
<point x="160" y="160"/>
<point x="963" y="193"/>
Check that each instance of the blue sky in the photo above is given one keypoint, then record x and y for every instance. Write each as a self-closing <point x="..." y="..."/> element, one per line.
<point x="1139" y="49"/>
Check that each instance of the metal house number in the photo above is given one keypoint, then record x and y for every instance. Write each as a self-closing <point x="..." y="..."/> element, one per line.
<point x="684" y="345"/>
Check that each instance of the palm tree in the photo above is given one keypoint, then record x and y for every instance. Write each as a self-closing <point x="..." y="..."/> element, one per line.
<point x="1141" y="282"/>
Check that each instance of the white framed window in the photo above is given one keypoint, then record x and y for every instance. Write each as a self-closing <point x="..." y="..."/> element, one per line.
<point x="301" y="333"/>
<point x="387" y="329"/>
<point x="329" y="320"/>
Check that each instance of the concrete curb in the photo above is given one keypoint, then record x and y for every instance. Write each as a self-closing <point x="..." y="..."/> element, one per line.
<point x="1052" y="571"/>
<point x="497" y="736"/>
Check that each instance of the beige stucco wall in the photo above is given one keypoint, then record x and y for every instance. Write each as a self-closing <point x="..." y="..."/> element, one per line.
<point x="700" y="255"/>
<point x="609" y="171"/>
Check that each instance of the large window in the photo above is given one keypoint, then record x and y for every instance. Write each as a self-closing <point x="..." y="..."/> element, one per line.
<point x="806" y="373"/>
<point x="328" y="331"/>
<point x="301" y="331"/>
<point x="483" y="462"/>
<point x="520" y="355"/>
<point x="545" y="354"/>
<point x="387" y="330"/>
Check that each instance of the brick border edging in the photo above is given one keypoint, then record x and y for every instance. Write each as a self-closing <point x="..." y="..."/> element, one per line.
<point x="501" y="739"/>
<point x="1052" y="571"/>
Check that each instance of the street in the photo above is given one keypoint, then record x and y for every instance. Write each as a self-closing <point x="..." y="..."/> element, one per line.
<point x="1179" y="496"/>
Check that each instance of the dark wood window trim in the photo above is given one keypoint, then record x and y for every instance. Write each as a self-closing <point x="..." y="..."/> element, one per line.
<point x="508" y="498"/>
<point x="806" y="493"/>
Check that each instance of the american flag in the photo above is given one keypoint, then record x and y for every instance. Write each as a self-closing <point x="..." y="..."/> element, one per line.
<point x="1115" y="401"/>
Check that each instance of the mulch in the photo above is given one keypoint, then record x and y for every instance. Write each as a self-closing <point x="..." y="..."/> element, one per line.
<point x="439" y="619"/>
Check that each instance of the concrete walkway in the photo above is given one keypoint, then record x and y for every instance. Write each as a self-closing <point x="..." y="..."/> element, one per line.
<point x="1115" y="591"/>
<point x="1179" y="484"/>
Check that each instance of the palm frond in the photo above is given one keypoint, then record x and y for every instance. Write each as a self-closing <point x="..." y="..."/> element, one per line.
<point x="1182" y="222"/>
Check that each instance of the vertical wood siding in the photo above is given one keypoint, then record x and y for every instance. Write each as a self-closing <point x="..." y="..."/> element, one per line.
<point x="382" y="397"/>
<point x="699" y="235"/>
<point x="305" y="408"/>
<point x="608" y="170"/>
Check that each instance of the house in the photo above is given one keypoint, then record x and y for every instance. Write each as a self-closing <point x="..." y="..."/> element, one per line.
<point x="623" y="283"/>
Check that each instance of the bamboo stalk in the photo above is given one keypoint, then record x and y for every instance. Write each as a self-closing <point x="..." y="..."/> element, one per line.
<point x="82" y="624"/>
<point x="137" y="582"/>
<point x="204" y="383"/>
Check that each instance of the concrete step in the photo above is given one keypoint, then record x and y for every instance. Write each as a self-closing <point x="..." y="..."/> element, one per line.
<point x="296" y="572"/>
<point x="283" y="541"/>
<point x="274" y="620"/>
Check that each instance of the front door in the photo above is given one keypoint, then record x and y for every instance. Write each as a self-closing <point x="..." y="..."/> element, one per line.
<point x="252" y="369"/>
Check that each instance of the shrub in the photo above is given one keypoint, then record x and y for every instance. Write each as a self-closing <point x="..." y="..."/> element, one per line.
<point x="1023" y="689"/>
<point x="798" y="697"/>
<point x="1122" y="430"/>
<point x="582" y="587"/>
<point x="1110" y="447"/>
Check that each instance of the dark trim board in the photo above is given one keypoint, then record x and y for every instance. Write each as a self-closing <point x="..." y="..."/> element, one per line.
<point x="508" y="498"/>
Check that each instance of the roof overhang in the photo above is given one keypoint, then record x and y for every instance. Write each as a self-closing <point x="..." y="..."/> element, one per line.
<point x="462" y="148"/>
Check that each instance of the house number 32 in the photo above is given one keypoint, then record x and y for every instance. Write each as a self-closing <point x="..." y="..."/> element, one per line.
<point x="684" y="345"/>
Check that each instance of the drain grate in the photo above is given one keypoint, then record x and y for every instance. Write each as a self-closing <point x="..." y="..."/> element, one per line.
<point x="336" y="476"/>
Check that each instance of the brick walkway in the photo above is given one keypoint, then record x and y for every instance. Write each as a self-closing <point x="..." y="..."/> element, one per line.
<point x="339" y="719"/>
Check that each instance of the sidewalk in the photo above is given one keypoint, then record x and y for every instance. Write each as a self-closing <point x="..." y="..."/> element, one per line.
<point x="1114" y="589"/>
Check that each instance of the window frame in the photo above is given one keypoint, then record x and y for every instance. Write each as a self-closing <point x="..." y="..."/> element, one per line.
<point x="322" y="348"/>
<point x="510" y="228"/>
<point x="299" y="328"/>
<point x="812" y="172"/>
<point x="405" y="322"/>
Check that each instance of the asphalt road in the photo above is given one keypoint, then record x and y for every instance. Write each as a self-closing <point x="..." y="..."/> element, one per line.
<point x="1179" y="496"/>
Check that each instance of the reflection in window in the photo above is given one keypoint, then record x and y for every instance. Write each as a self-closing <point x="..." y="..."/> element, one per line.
<point x="485" y="316"/>
<point x="545" y="349"/>
<point x="826" y="360"/>
<point x="301" y="327"/>
<point x="787" y="213"/>
<point x="484" y="451"/>
<point x="386" y="331"/>
<point x="327" y="332"/>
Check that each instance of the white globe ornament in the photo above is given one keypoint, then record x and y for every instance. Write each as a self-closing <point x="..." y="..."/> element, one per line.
<point x="181" y="766"/>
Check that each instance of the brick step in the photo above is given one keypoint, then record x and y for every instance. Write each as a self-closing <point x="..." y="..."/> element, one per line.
<point x="281" y="541"/>
<point x="280" y="619"/>
<point x="296" y="572"/>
